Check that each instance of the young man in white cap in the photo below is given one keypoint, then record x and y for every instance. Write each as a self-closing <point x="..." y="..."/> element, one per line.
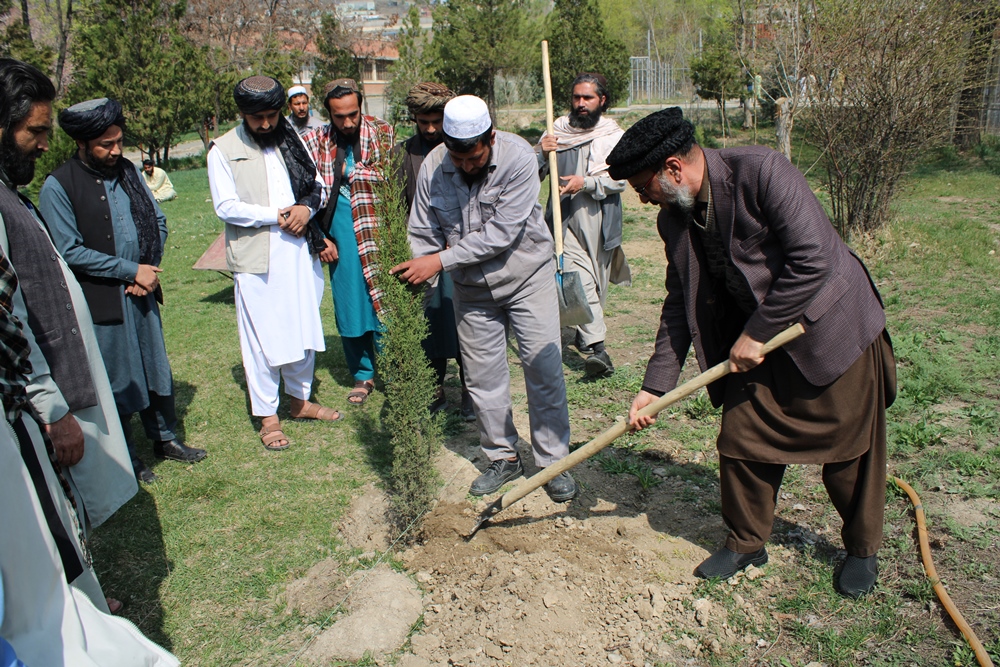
<point x="300" y="115"/>
<point x="476" y="215"/>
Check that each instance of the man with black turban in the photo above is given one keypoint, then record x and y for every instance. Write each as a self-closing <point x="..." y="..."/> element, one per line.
<point x="750" y="252"/>
<point x="108" y="227"/>
<point x="266" y="191"/>
<point x="425" y="102"/>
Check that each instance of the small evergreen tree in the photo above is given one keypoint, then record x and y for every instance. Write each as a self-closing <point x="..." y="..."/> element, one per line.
<point x="413" y="434"/>
<point x="578" y="42"/>
<point x="717" y="73"/>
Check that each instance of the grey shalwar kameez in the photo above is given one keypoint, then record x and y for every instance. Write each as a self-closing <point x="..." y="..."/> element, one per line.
<point x="494" y="243"/>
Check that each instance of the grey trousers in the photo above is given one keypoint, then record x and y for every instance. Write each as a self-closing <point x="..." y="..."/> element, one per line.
<point x="532" y="314"/>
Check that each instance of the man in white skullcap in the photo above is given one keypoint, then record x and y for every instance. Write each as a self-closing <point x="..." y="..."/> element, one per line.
<point x="300" y="115"/>
<point x="476" y="215"/>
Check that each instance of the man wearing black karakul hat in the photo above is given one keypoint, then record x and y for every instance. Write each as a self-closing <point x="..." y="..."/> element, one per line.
<point x="266" y="190"/>
<point x="751" y="252"/>
<point x="105" y="222"/>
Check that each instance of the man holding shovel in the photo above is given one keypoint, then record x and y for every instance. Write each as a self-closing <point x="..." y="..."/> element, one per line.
<point x="750" y="252"/>
<point x="476" y="215"/>
<point x="591" y="207"/>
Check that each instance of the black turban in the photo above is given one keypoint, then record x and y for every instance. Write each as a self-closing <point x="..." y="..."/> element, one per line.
<point x="259" y="93"/>
<point x="647" y="144"/>
<point x="89" y="120"/>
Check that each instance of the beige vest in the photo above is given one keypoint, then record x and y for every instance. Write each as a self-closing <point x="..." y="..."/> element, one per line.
<point x="247" y="248"/>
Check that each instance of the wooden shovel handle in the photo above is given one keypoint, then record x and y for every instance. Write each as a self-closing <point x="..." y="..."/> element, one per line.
<point x="604" y="439"/>
<point x="557" y="227"/>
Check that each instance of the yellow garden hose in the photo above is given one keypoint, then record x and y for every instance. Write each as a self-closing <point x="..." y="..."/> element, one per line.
<point x="925" y="552"/>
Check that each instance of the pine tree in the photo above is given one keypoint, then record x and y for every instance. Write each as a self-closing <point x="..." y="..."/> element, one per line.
<point x="477" y="40"/>
<point x="132" y="51"/>
<point x="335" y="60"/>
<point x="579" y="42"/>
<point x="410" y="69"/>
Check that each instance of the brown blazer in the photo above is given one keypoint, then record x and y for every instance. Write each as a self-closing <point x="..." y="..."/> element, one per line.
<point x="799" y="270"/>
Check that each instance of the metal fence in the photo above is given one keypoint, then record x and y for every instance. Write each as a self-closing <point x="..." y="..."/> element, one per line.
<point x="656" y="81"/>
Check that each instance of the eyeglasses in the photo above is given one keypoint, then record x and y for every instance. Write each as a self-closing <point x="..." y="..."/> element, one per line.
<point x="642" y="191"/>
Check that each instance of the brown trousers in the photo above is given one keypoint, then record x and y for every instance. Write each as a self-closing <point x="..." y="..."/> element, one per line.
<point x="856" y="487"/>
<point x="773" y="417"/>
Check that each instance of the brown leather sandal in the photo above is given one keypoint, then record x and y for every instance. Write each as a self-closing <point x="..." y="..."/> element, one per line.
<point x="270" y="437"/>
<point x="362" y="388"/>
<point x="317" y="411"/>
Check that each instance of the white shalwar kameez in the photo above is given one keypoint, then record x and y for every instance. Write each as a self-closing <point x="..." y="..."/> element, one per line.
<point x="277" y="313"/>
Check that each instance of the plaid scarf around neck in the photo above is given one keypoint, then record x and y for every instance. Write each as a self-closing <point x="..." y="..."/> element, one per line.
<point x="14" y="350"/>
<point x="375" y="140"/>
<point x="302" y="177"/>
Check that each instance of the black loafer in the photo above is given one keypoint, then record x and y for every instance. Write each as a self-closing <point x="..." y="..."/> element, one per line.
<point x="175" y="450"/>
<point x="725" y="563"/>
<point x="561" y="488"/>
<point x="499" y="473"/>
<point x="598" y="365"/>
<point x="142" y="472"/>
<point x="858" y="576"/>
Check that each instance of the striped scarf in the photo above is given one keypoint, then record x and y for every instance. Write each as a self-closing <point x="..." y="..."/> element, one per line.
<point x="375" y="139"/>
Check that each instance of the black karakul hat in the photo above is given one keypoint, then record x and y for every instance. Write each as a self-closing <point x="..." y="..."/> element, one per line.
<point x="259" y="93"/>
<point x="648" y="143"/>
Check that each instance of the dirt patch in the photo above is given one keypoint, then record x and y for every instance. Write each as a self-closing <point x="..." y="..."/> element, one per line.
<point x="366" y="526"/>
<point x="317" y="591"/>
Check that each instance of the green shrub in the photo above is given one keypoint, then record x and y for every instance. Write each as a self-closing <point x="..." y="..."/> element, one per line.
<point x="414" y="436"/>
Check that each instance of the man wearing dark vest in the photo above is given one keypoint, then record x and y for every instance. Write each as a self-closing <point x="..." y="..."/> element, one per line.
<point x="108" y="227"/>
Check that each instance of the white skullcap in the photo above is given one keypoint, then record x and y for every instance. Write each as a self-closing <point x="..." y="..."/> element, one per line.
<point x="297" y="90"/>
<point x="466" y="117"/>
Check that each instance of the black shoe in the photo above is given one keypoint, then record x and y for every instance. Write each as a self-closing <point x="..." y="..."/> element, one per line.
<point x="468" y="411"/>
<point x="561" y="488"/>
<point x="142" y="472"/>
<point x="175" y="450"/>
<point x="598" y="365"/>
<point x="858" y="576"/>
<point x="499" y="473"/>
<point x="582" y="347"/>
<point x="725" y="563"/>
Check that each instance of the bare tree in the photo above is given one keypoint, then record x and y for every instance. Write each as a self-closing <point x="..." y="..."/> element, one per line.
<point x="886" y="74"/>
<point x="774" y="45"/>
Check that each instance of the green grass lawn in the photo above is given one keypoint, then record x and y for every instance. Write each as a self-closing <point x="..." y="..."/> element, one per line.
<point x="202" y="556"/>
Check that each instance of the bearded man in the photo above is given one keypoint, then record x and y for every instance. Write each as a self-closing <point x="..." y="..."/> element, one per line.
<point x="425" y="102"/>
<point x="300" y="115"/>
<point x="750" y="252"/>
<point x="109" y="228"/>
<point x="68" y="385"/>
<point x="265" y="189"/>
<point x="591" y="206"/>
<point x="349" y="153"/>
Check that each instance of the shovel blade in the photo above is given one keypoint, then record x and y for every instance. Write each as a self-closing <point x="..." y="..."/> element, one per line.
<point x="573" y="306"/>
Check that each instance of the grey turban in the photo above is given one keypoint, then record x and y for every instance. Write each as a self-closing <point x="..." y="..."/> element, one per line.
<point x="89" y="120"/>
<point x="647" y="144"/>
<point x="259" y="93"/>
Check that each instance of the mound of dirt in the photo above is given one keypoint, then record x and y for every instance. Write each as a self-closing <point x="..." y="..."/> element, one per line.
<point x="383" y="607"/>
